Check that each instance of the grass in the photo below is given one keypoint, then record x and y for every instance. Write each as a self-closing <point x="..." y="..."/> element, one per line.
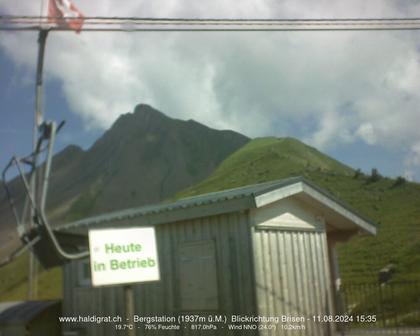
<point x="394" y="304"/>
<point x="393" y="204"/>
<point x="14" y="281"/>
<point x="14" y="276"/>
<point x="83" y="205"/>
<point x="394" y="207"/>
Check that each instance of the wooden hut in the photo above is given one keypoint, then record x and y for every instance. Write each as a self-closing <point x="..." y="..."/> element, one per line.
<point x="260" y="250"/>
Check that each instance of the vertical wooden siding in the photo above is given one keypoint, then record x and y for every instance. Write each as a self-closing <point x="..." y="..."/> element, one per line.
<point x="292" y="278"/>
<point x="234" y="260"/>
<point x="231" y="235"/>
<point x="85" y="300"/>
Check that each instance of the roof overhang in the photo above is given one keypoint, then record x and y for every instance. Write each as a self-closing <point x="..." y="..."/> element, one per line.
<point x="339" y="215"/>
<point x="336" y="213"/>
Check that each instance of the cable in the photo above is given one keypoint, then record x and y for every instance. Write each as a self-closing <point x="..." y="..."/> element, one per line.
<point x="49" y="130"/>
<point x="19" y="251"/>
<point x="130" y="24"/>
<point x="212" y="19"/>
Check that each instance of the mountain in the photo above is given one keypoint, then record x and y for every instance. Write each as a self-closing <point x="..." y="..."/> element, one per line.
<point x="147" y="157"/>
<point x="144" y="158"/>
<point x="393" y="204"/>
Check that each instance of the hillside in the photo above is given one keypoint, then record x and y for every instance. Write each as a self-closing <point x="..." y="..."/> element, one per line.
<point x="393" y="206"/>
<point x="145" y="157"/>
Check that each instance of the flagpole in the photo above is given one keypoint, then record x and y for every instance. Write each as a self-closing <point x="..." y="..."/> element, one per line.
<point x="38" y="119"/>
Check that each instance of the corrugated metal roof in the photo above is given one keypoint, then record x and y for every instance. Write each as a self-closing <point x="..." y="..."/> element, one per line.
<point x="209" y="198"/>
<point x="205" y="199"/>
<point x="6" y="305"/>
<point x="23" y="311"/>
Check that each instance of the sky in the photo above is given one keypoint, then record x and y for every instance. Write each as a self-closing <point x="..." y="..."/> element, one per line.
<point x="353" y="95"/>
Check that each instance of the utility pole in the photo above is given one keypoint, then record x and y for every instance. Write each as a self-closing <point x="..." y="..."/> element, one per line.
<point x="34" y="183"/>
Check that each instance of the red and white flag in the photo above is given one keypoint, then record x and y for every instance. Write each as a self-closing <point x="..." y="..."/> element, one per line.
<point x="64" y="13"/>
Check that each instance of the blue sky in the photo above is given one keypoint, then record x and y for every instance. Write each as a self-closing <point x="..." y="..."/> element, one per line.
<point x="17" y="112"/>
<point x="353" y="95"/>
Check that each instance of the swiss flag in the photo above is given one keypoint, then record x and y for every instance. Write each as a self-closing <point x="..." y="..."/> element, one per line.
<point x="64" y="13"/>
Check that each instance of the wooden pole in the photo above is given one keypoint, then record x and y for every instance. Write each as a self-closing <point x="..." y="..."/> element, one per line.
<point x="129" y="304"/>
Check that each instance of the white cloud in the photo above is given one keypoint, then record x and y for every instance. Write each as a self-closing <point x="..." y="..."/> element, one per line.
<point x="367" y="133"/>
<point x="333" y="87"/>
<point x="412" y="161"/>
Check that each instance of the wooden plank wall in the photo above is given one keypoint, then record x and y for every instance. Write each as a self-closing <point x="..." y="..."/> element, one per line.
<point x="235" y="281"/>
<point x="292" y="278"/>
<point x="84" y="300"/>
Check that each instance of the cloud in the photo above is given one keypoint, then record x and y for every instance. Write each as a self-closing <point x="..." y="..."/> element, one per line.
<point x="367" y="133"/>
<point x="331" y="88"/>
<point x="412" y="161"/>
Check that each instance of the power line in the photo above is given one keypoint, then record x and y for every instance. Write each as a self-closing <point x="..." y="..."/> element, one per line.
<point x="131" y="24"/>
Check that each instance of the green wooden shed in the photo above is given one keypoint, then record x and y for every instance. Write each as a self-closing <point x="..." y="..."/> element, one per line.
<point x="261" y="250"/>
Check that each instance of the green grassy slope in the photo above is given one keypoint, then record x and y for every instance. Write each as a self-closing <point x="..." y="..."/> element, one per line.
<point x="395" y="208"/>
<point x="259" y="161"/>
<point x="14" y="284"/>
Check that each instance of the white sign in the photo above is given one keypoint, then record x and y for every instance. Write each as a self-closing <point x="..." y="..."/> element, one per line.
<point x="120" y="256"/>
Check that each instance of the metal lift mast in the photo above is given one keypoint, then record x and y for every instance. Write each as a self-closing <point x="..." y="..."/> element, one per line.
<point x="35" y="232"/>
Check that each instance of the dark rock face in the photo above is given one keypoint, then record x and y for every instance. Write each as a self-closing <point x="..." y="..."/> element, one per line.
<point x="145" y="157"/>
